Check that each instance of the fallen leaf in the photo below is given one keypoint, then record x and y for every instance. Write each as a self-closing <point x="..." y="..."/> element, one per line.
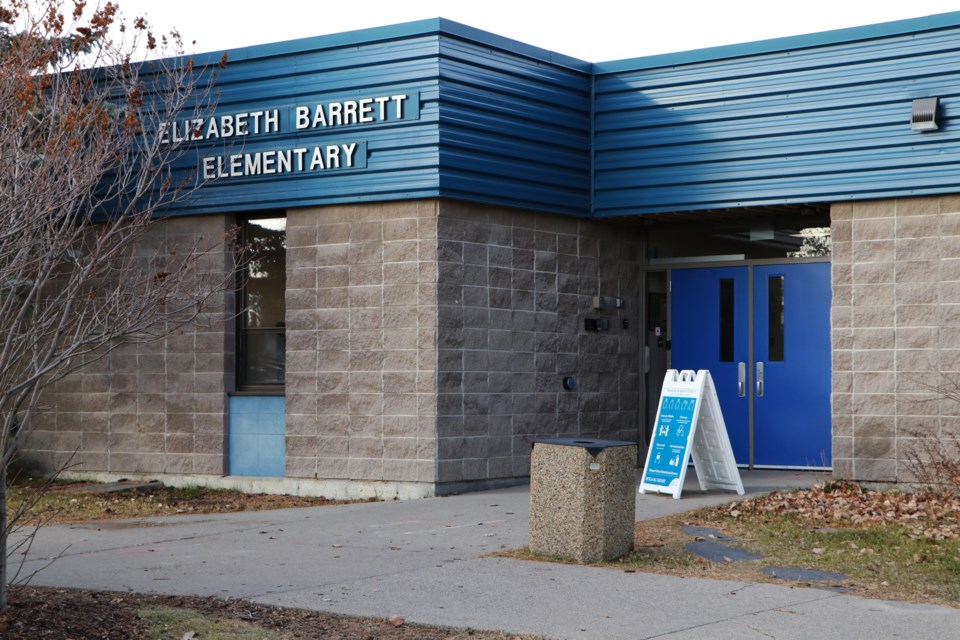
<point x="397" y="620"/>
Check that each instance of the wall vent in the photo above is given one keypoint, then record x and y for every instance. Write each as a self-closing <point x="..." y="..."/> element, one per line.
<point x="924" y="114"/>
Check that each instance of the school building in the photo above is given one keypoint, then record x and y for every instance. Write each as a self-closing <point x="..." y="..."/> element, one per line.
<point x="469" y="243"/>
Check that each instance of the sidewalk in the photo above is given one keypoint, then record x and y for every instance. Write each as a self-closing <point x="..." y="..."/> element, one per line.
<point x="424" y="559"/>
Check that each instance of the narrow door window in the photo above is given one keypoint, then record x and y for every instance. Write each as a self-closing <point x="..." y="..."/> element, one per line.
<point x="775" y="318"/>
<point x="262" y="340"/>
<point x="727" y="324"/>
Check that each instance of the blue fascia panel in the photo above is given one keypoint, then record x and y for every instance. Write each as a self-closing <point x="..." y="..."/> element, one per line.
<point x="401" y="31"/>
<point x="513" y="131"/>
<point x="392" y="157"/>
<point x="780" y="45"/>
<point x="345" y="39"/>
<point x="506" y="123"/>
<point x="485" y="38"/>
<point x="906" y="48"/>
<point x="816" y="125"/>
<point x="481" y="86"/>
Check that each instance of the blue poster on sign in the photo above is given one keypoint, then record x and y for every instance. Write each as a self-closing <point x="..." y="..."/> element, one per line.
<point x="668" y="452"/>
<point x="689" y="425"/>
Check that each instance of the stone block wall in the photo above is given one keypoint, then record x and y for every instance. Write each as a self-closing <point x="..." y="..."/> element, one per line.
<point x="513" y="290"/>
<point x="426" y="343"/>
<point x="427" y="340"/>
<point x="895" y="331"/>
<point x="361" y="336"/>
<point x="152" y="407"/>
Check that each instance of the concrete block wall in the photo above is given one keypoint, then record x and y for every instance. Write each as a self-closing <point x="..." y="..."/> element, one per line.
<point x="152" y="407"/>
<point x="426" y="343"/>
<point x="895" y="331"/>
<point x="513" y="290"/>
<point x="361" y="342"/>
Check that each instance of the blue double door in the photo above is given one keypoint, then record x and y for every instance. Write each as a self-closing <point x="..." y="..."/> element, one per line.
<point x="763" y="331"/>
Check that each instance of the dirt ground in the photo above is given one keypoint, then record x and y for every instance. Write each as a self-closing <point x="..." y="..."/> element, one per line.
<point x="61" y="614"/>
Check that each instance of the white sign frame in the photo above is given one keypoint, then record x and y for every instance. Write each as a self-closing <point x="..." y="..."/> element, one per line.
<point x="689" y="423"/>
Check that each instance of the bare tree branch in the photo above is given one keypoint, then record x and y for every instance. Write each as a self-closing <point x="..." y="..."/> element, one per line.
<point x="84" y="178"/>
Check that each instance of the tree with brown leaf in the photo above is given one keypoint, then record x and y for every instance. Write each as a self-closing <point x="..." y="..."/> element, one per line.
<point x="84" y="177"/>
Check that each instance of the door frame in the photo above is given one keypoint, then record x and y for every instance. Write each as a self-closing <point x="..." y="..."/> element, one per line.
<point x="705" y="262"/>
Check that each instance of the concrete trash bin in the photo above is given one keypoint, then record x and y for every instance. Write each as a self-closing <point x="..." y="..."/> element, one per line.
<point x="582" y="502"/>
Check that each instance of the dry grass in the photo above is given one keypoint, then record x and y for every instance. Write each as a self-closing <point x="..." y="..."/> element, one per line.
<point x="67" y="502"/>
<point x="891" y="545"/>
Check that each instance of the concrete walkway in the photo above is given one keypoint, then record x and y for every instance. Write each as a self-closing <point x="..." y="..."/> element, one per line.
<point x="425" y="559"/>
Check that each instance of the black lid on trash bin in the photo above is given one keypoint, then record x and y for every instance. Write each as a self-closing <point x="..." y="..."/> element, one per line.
<point x="593" y="447"/>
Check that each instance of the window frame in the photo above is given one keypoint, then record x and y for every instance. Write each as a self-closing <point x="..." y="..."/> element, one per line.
<point x="241" y="330"/>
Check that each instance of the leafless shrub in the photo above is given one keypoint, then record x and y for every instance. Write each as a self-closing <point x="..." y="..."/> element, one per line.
<point x="932" y="461"/>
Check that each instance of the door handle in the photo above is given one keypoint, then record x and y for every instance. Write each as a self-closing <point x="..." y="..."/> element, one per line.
<point x="741" y="379"/>
<point x="759" y="379"/>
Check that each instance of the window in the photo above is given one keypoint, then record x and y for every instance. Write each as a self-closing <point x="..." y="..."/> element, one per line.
<point x="261" y="337"/>
<point x="727" y="322"/>
<point x="775" y="323"/>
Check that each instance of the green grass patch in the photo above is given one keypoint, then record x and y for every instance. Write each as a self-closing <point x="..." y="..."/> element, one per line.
<point x="174" y="624"/>
<point x="881" y="560"/>
<point x="884" y="560"/>
<point x="889" y="544"/>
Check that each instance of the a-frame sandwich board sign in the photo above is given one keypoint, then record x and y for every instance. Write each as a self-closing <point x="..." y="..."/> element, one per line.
<point x="689" y="422"/>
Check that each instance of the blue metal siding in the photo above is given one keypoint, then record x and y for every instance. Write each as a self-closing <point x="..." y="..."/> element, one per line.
<point x="402" y="156"/>
<point x="514" y="130"/>
<point x="782" y="45"/>
<point x="499" y="121"/>
<point x="821" y="123"/>
<point x="822" y="117"/>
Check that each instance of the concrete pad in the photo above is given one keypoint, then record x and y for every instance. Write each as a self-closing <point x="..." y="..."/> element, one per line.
<point x="839" y="617"/>
<point x="557" y="601"/>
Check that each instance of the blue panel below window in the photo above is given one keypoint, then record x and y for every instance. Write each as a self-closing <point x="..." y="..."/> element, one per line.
<point x="257" y="436"/>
